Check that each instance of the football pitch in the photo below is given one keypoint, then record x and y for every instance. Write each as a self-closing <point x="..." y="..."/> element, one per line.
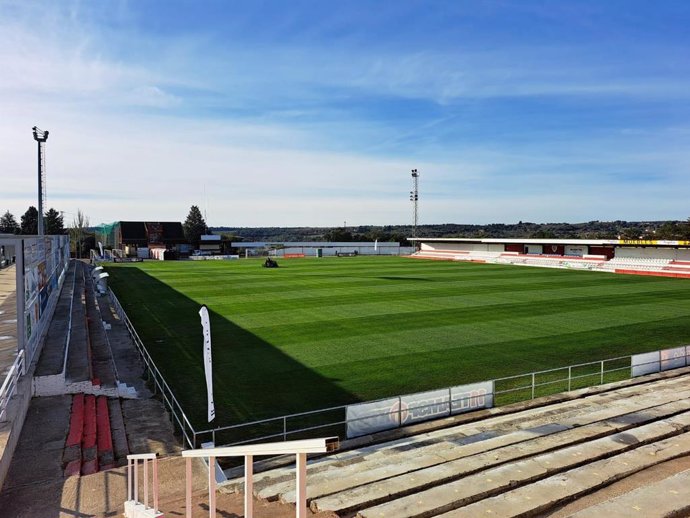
<point x="317" y="333"/>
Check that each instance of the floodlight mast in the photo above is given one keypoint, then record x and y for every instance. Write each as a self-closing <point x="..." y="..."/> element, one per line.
<point x="414" y="198"/>
<point x="41" y="136"/>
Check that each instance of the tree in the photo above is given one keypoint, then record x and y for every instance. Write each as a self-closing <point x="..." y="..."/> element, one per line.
<point x="194" y="226"/>
<point x="30" y="221"/>
<point x="338" y="235"/>
<point x="53" y="223"/>
<point x="8" y="225"/>
<point x="77" y="233"/>
<point x="685" y="230"/>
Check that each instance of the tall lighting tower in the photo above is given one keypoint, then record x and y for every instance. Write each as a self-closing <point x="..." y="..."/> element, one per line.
<point x="414" y="198"/>
<point x="41" y="136"/>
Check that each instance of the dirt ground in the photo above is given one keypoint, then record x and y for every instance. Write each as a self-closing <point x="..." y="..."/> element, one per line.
<point x="232" y="506"/>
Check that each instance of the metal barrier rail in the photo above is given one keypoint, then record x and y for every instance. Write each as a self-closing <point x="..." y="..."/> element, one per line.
<point x="9" y="386"/>
<point x="532" y="388"/>
<point x="159" y="383"/>
<point x="68" y="335"/>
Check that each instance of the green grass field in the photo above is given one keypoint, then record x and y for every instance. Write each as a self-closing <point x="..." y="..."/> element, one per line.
<point x="316" y="333"/>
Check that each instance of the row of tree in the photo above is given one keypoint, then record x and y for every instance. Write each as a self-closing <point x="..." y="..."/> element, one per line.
<point x="659" y="230"/>
<point x="53" y="223"/>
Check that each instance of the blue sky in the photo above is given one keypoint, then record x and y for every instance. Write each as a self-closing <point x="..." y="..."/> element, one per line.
<point x="313" y="113"/>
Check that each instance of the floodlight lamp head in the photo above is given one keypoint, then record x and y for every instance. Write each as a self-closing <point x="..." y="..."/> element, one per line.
<point x="415" y="173"/>
<point x="40" y="135"/>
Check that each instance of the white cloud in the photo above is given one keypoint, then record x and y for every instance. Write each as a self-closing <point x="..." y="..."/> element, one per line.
<point x="127" y="142"/>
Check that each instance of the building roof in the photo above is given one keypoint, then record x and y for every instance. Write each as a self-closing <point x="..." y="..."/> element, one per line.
<point x="133" y="232"/>
<point x="546" y="241"/>
<point x="137" y="232"/>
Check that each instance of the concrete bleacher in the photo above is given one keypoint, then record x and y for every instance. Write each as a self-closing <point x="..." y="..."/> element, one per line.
<point x="94" y="429"/>
<point x="77" y="359"/>
<point x="629" y="265"/>
<point x="77" y="356"/>
<point x="522" y="460"/>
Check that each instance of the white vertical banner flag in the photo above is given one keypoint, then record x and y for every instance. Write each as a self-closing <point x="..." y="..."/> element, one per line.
<point x="208" y="362"/>
<point x="376" y="245"/>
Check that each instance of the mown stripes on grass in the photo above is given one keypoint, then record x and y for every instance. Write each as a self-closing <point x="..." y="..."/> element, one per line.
<point x="321" y="332"/>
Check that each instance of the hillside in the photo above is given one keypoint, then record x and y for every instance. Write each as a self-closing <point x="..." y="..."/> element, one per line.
<point x="587" y="230"/>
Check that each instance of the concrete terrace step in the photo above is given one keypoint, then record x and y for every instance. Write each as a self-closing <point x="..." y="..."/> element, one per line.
<point x="564" y="473"/>
<point x="440" y="474"/>
<point x="101" y="357"/>
<point x="466" y="445"/>
<point x="78" y="354"/>
<point x="117" y="429"/>
<point x="104" y="438"/>
<point x="89" y="444"/>
<point x="554" y="490"/>
<point x="52" y="359"/>
<point x="668" y="497"/>
<point x="128" y="365"/>
<point x="89" y="453"/>
<point x="375" y="462"/>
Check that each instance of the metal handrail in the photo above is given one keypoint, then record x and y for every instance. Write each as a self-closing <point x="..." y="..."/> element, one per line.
<point x="531" y="386"/>
<point x="68" y="335"/>
<point x="9" y="386"/>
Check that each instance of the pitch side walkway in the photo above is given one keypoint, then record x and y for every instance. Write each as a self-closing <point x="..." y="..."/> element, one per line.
<point x="530" y="459"/>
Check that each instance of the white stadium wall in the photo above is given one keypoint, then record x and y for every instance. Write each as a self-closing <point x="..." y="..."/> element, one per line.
<point x="334" y="250"/>
<point x="463" y="247"/>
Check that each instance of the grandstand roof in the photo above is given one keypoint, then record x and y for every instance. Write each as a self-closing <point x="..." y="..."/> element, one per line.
<point x="547" y="241"/>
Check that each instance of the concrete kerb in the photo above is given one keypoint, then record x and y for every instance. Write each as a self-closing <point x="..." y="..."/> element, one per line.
<point x="400" y="433"/>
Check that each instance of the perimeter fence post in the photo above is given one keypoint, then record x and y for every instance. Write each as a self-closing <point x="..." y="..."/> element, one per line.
<point x="284" y="428"/>
<point x="450" y="401"/>
<point x="399" y="411"/>
<point x="602" y="372"/>
<point x="570" y="376"/>
<point x="532" y="385"/>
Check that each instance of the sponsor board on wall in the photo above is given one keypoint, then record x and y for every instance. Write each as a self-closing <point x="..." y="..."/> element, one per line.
<point x="666" y="359"/>
<point x="645" y="363"/>
<point x="672" y="358"/>
<point x="472" y="397"/>
<point x="651" y="242"/>
<point x="45" y="262"/>
<point x="366" y="418"/>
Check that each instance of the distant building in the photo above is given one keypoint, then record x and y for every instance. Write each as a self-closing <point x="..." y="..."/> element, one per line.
<point x="321" y="248"/>
<point x="210" y="244"/>
<point x="138" y="238"/>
